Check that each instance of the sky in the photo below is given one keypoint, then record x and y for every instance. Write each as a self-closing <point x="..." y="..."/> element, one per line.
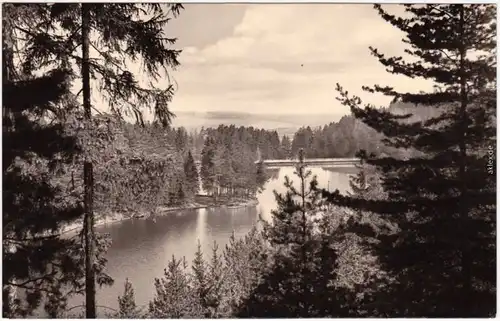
<point x="281" y="58"/>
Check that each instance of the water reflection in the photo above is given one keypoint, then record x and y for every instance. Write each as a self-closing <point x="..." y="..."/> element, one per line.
<point x="328" y="179"/>
<point x="142" y="248"/>
<point x="201" y="225"/>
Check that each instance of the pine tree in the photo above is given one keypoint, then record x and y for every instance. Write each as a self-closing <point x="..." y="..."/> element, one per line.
<point x="286" y="147"/>
<point x="226" y="171"/>
<point x="261" y="175"/>
<point x="218" y="170"/>
<point x="200" y="281"/>
<point x="217" y="296"/>
<point x="181" y="195"/>
<point x="181" y="138"/>
<point x="364" y="184"/>
<point x="208" y="165"/>
<point x="245" y="260"/>
<point x="191" y="173"/>
<point x="442" y="198"/>
<point x="176" y="194"/>
<point x="300" y="281"/>
<point x="38" y="263"/>
<point x="61" y="30"/>
<point x="209" y="284"/>
<point x="126" y="303"/>
<point x="174" y="297"/>
<point x="34" y="209"/>
<point x="328" y="299"/>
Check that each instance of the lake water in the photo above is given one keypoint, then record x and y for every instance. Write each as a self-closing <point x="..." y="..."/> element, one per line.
<point x="141" y="249"/>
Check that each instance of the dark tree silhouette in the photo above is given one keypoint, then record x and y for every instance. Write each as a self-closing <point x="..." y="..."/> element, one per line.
<point x="115" y="33"/>
<point x="441" y="196"/>
<point x="191" y="174"/>
<point x="286" y="147"/>
<point x="36" y="261"/>
<point x="364" y="183"/>
<point x="300" y="280"/>
<point x="208" y="165"/>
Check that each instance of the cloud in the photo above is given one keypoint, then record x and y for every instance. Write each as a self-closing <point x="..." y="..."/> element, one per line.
<point x="286" y="58"/>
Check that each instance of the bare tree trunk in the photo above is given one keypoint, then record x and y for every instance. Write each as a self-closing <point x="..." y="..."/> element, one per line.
<point x="90" y="304"/>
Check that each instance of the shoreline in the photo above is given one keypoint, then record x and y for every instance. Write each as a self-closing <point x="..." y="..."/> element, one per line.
<point x="161" y="211"/>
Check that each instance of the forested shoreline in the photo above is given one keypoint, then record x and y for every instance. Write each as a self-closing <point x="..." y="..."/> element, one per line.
<point x="223" y="158"/>
<point x="414" y="237"/>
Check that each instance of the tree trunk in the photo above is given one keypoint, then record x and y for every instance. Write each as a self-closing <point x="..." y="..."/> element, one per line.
<point x="90" y="304"/>
<point x="304" y="294"/>
<point x="9" y="292"/>
<point x="464" y="209"/>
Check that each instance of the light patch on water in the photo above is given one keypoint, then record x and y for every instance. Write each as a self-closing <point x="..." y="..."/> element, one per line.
<point x="141" y="249"/>
<point x="201" y="225"/>
<point x="326" y="179"/>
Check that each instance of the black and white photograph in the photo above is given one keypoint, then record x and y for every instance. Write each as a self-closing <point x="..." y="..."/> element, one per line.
<point x="249" y="160"/>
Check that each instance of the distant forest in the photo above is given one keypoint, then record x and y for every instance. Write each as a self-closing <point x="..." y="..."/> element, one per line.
<point x="334" y="140"/>
<point x="415" y="235"/>
<point x="227" y="155"/>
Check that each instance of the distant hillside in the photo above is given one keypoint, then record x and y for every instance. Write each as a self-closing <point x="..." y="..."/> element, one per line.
<point x="284" y="124"/>
<point x="345" y="137"/>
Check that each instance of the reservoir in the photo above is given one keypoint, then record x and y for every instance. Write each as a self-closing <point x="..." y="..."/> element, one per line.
<point x="141" y="248"/>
